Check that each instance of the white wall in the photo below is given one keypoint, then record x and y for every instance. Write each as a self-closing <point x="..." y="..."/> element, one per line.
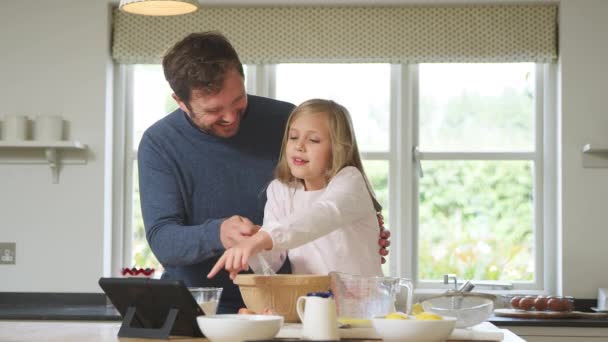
<point x="584" y="208"/>
<point x="54" y="56"/>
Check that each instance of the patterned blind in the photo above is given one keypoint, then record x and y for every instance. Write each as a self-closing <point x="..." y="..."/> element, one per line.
<point x="403" y="34"/>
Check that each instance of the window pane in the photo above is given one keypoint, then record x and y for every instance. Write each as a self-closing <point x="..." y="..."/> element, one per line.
<point x="142" y="254"/>
<point x="476" y="107"/>
<point x="151" y="102"/>
<point x="377" y="173"/>
<point x="364" y="89"/>
<point x="476" y="220"/>
<point x="151" y="98"/>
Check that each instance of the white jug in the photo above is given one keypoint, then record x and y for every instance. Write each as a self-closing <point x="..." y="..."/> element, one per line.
<point x="319" y="321"/>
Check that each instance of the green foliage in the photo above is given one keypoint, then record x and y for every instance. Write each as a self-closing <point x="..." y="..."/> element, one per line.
<point x="476" y="220"/>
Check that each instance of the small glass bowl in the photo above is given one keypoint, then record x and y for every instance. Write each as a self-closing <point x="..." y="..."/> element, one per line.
<point x="469" y="309"/>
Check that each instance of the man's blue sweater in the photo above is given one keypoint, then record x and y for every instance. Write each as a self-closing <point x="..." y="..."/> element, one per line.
<point x="190" y="181"/>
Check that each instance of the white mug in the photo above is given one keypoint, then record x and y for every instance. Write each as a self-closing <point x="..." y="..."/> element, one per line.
<point x="15" y="128"/>
<point x="602" y="298"/>
<point x="319" y="321"/>
<point x="48" y="128"/>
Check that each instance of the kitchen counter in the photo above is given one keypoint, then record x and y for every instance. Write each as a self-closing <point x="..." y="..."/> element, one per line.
<point x="66" y="331"/>
<point x="106" y="312"/>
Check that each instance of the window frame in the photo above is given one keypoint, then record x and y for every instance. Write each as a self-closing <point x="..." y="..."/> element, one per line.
<point x="402" y="158"/>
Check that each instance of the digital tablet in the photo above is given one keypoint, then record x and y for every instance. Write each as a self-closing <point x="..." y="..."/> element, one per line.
<point x="153" y="308"/>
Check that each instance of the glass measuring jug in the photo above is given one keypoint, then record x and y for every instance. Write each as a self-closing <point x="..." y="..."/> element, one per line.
<point x="367" y="297"/>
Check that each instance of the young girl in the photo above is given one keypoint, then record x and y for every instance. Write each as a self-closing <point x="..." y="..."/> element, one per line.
<point x="320" y="207"/>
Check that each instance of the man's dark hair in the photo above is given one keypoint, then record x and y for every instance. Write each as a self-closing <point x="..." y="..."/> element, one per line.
<point x="200" y="61"/>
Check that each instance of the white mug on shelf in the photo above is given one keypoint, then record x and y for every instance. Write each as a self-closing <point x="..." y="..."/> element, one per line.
<point x="14" y="128"/>
<point x="602" y="298"/>
<point x="48" y="128"/>
<point x="318" y="316"/>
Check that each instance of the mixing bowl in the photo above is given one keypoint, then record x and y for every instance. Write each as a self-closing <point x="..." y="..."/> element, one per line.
<point x="468" y="308"/>
<point x="278" y="292"/>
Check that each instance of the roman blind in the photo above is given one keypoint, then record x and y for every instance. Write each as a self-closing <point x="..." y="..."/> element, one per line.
<point x="319" y="34"/>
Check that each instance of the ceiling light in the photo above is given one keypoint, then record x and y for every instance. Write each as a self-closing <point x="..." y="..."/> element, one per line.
<point x="159" y="7"/>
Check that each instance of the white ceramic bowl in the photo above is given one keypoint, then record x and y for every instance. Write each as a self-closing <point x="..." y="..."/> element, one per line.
<point x="238" y="328"/>
<point x="406" y="330"/>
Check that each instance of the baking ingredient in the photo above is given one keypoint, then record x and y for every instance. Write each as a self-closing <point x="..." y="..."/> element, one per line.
<point x="540" y="303"/>
<point x="266" y="311"/>
<point x="559" y="304"/>
<point x="396" y="315"/>
<point x="427" y="316"/>
<point x="527" y="303"/>
<point x="245" y="311"/>
<point x="210" y="307"/>
<point x="417" y="309"/>
<point x="515" y="302"/>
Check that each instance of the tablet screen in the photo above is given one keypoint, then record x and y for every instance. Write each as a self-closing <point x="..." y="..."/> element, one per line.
<point x="152" y="300"/>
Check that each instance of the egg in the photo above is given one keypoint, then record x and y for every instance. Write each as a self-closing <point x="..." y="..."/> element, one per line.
<point x="540" y="303"/>
<point x="559" y="304"/>
<point x="527" y="303"/>
<point x="515" y="302"/>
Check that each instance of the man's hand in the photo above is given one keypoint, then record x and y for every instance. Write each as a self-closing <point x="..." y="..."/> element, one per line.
<point x="235" y="229"/>
<point x="383" y="240"/>
<point x="236" y="259"/>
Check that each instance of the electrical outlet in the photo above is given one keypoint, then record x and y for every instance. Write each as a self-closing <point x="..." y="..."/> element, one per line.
<point x="8" y="253"/>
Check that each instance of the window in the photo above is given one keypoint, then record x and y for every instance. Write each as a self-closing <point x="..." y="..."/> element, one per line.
<point x="454" y="153"/>
<point x="364" y="89"/>
<point x="479" y="157"/>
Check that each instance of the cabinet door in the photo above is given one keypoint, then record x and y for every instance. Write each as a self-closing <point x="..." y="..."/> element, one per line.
<point x="560" y="334"/>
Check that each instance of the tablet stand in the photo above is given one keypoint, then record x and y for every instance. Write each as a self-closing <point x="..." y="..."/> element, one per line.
<point x="128" y="330"/>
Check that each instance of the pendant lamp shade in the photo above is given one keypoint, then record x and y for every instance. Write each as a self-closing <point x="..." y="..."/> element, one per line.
<point x="159" y="7"/>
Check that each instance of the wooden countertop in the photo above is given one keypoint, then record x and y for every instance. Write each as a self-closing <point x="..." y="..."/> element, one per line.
<point x="65" y="331"/>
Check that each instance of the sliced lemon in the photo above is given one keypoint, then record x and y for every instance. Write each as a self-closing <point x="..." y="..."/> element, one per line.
<point x="417" y="309"/>
<point x="396" y="315"/>
<point x="427" y="316"/>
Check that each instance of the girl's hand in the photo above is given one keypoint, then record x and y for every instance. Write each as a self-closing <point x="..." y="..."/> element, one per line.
<point x="236" y="259"/>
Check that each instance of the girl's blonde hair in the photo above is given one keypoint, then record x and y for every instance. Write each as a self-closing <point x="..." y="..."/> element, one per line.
<point x="344" y="144"/>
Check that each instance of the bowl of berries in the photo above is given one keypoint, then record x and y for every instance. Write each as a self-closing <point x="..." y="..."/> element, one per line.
<point x="135" y="272"/>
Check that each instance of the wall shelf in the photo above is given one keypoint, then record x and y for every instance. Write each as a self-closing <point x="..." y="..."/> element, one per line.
<point x="29" y="152"/>
<point x="595" y="155"/>
<point x="589" y="148"/>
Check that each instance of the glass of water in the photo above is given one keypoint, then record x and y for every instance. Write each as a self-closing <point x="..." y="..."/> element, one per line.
<point x="208" y="298"/>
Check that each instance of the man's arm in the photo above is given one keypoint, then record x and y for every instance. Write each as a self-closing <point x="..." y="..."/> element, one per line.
<point x="172" y="240"/>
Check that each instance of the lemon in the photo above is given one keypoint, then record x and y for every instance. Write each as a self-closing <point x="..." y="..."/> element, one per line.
<point x="427" y="316"/>
<point x="396" y="315"/>
<point x="417" y="309"/>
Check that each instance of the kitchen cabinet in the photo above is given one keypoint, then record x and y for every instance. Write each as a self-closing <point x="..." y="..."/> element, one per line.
<point x="560" y="334"/>
<point x="35" y="152"/>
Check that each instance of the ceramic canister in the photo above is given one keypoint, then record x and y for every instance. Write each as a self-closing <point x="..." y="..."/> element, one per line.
<point x="14" y="128"/>
<point x="48" y="128"/>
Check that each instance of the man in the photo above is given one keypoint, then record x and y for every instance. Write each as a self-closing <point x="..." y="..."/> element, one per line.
<point x="204" y="168"/>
